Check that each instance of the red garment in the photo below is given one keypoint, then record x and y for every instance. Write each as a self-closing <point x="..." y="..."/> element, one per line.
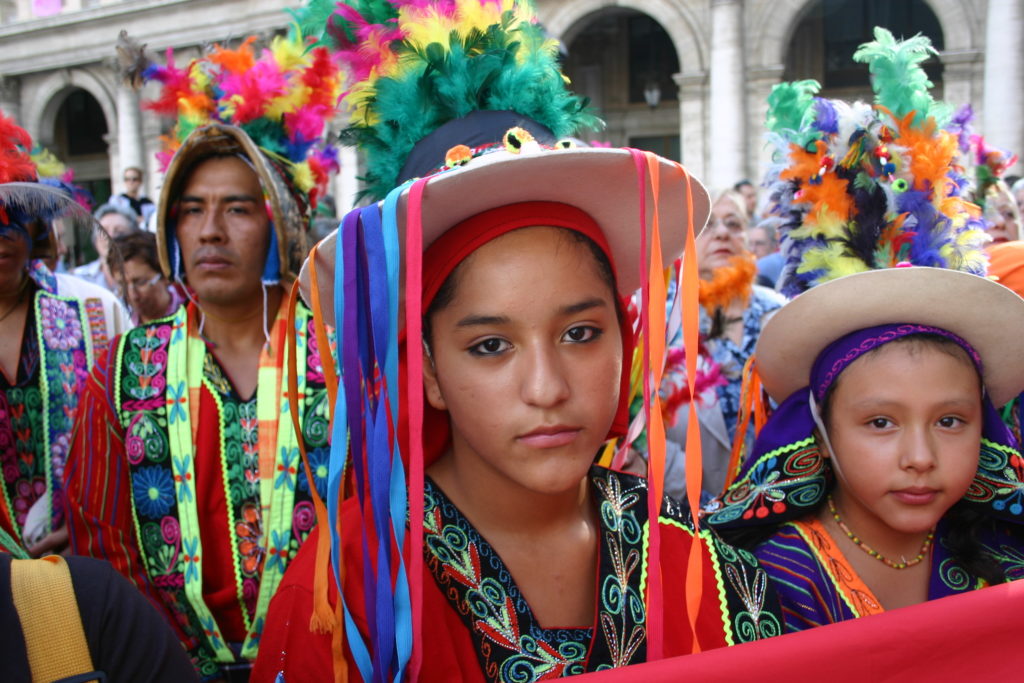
<point x="100" y="521"/>
<point x="450" y="655"/>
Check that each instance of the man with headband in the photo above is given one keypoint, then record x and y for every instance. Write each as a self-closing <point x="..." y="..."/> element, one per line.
<point x="186" y="471"/>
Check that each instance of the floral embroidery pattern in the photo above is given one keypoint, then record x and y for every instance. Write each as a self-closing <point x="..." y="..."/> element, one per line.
<point x="60" y="324"/>
<point x="156" y="414"/>
<point x="794" y="476"/>
<point x="23" y="464"/>
<point x="39" y="409"/>
<point x="511" y="645"/>
<point x="153" y="489"/>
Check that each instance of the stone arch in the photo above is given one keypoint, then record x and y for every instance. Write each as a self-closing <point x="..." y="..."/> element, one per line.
<point x="41" y="113"/>
<point x="961" y="24"/>
<point x="567" y="19"/>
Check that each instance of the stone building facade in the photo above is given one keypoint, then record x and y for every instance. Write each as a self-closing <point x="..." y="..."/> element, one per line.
<point x="687" y="78"/>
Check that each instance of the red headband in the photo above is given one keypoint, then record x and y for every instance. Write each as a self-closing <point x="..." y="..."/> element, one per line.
<point x="452" y="248"/>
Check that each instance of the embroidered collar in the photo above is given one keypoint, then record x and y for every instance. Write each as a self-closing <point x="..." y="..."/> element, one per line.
<point x="510" y="644"/>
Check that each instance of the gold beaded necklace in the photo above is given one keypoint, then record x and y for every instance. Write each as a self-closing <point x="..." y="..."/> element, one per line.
<point x="905" y="564"/>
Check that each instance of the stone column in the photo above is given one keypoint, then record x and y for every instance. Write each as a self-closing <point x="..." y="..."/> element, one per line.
<point x="963" y="80"/>
<point x="693" y="129"/>
<point x="759" y="85"/>
<point x="151" y="143"/>
<point x="1004" y="75"/>
<point x="129" y="134"/>
<point x="10" y="97"/>
<point x="727" y="149"/>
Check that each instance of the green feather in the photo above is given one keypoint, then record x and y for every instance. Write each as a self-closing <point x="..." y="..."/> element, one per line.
<point x="899" y="81"/>
<point x="496" y="69"/>
<point x="791" y="111"/>
<point x="313" y="17"/>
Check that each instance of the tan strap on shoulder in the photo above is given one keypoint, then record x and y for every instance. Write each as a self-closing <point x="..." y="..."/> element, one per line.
<point x="48" y="610"/>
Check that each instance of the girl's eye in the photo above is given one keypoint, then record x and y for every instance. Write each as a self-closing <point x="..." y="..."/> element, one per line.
<point x="491" y="346"/>
<point x="950" y="422"/>
<point x="880" y="422"/>
<point x="582" y="334"/>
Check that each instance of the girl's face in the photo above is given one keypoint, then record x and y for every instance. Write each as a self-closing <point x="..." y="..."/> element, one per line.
<point x="527" y="359"/>
<point x="905" y="423"/>
<point x="724" y="238"/>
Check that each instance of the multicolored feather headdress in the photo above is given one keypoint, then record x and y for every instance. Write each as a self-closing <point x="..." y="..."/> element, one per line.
<point x="861" y="187"/>
<point x="412" y="66"/>
<point x="34" y="185"/>
<point x="990" y="165"/>
<point x="281" y="100"/>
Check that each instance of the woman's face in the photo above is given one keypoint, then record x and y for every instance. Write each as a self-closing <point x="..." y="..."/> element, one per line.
<point x="147" y="289"/>
<point x="905" y="423"/>
<point x="1001" y="221"/>
<point x="527" y="360"/>
<point x="724" y="238"/>
<point x="14" y="251"/>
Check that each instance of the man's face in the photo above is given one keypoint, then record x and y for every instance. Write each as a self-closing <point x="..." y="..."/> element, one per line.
<point x="132" y="183"/>
<point x="749" y="193"/>
<point x="223" y="231"/>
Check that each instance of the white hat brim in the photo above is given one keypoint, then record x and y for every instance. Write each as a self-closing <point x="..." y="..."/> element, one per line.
<point x="989" y="316"/>
<point x="601" y="182"/>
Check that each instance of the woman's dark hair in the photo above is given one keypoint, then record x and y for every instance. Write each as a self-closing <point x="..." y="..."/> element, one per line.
<point x="446" y="292"/>
<point x="136" y="244"/>
<point x="962" y="522"/>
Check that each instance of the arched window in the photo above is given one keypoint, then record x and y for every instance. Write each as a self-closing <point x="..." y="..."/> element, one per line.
<point x="624" y="61"/>
<point x="830" y="31"/>
<point x="80" y="141"/>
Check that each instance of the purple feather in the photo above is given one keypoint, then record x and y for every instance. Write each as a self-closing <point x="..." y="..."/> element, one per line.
<point x="960" y="125"/>
<point x="931" y="229"/>
<point x="827" y="120"/>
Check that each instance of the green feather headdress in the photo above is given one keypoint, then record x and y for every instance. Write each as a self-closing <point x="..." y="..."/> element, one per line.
<point x="412" y="66"/>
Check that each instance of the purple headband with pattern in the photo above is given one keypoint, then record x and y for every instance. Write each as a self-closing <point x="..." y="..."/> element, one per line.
<point x="838" y="355"/>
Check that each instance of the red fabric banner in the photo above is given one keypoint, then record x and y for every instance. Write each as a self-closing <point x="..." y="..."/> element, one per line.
<point x="965" y="637"/>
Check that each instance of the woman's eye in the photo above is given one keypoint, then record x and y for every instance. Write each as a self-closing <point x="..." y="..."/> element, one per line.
<point x="950" y="422"/>
<point x="581" y="334"/>
<point x="880" y="422"/>
<point x="489" y="347"/>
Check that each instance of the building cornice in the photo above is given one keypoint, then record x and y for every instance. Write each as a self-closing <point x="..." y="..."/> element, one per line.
<point x="89" y="35"/>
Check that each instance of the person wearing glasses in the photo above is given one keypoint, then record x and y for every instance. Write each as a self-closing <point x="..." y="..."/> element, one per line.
<point x="132" y="197"/>
<point x="149" y="294"/>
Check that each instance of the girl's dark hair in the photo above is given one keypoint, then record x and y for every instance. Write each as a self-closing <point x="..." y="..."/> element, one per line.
<point x="962" y="522"/>
<point x="446" y="292"/>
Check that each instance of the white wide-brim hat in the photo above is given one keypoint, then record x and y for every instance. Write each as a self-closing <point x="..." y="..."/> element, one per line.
<point x="599" y="181"/>
<point x="987" y="315"/>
